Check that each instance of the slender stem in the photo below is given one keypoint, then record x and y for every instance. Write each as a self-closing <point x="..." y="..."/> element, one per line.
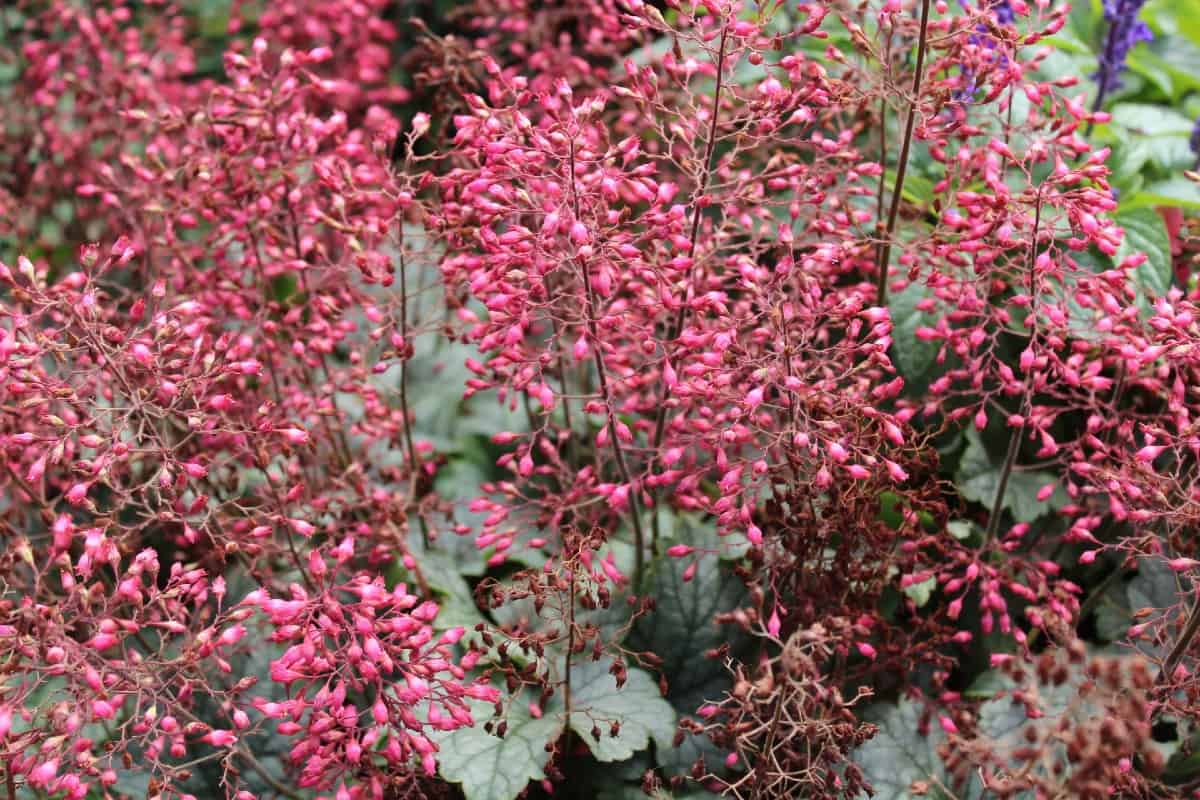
<point x="408" y="439"/>
<point x="879" y="200"/>
<point x="570" y="647"/>
<point x="1010" y="458"/>
<point x="635" y="511"/>
<point x="885" y="248"/>
<point x="1183" y="642"/>
<point x="1014" y="441"/>
<point x="676" y="328"/>
<point x="885" y="62"/>
<point x="759" y="767"/>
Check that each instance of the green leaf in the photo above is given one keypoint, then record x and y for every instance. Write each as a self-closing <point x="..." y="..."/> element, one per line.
<point x="1177" y="191"/>
<point x="1151" y="119"/>
<point x="899" y="755"/>
<point x="920" y="593"/>
<point x="1084" y="20"/>
<point x="963" y="529"/>
<point x="917" y="188"/>
<point x="284" y="287"/>
<point x="491" y="768"/>
<point x="1155" y="586"/>
<point x="639" y="708"/>
<point x="978" y="479"/>
<point x="683" y="626"/>
<point x="1145" y="232"/>
<point x="1174" y="55"/>
<point x="1153" y="70"/>
<point x="914" y="356"/>
<point x="442" y="572"/>
<point x="1004" y="721"/>
<point x="611" y="620"/>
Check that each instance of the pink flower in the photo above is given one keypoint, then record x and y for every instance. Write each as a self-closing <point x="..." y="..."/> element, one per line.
<point x="302" y="527"/>
<point x="220" y="738"/>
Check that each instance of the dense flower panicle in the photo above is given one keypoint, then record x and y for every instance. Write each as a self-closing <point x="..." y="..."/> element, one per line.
<point x="362" y="638"/>
<point x="658" y="242"/>
<point x="200" y="423"/>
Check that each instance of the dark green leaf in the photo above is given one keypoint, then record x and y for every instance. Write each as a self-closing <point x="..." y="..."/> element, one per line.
<point x="914" y="356"/>
<point x="901" y="755"/>
<point x="978" y="479"/>
<point x="1145" y="232"/>
<point x="641" y="711"/>
<point x="491" y="768"/>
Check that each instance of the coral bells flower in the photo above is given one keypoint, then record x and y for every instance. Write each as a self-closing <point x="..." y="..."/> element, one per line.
<point x="370" y="638"/>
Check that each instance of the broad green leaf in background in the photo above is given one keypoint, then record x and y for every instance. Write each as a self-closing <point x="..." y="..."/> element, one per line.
<point x="901" y="755"/>
<point x="1155" y="585"/>
<point x="1152" y="120"/>
<point x="440" y="567"/>
<point x="920" y="593"/>
<point x="1004" y="721"/>
<point x="638" y="706"/>
<point x="914" y="356"/>
<point x="682" y="627"/>
<point x="1177" y="191"/>
<point x="978" y="478"/>
<point x="1145" y="232"/>
<point x="1173" y="56"/>
<point x="494" y="768"/>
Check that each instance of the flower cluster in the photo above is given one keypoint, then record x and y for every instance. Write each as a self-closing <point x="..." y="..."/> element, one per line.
<point x="709" y="336"/>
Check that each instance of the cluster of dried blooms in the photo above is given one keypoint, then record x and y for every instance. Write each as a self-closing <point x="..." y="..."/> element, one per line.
<point x="682" y="264"/>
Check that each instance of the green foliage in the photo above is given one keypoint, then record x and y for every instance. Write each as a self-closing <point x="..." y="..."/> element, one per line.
<point x="915" y="357"/>
<point x="682" y="628"/>
<point x="498" y="768"/>
<point x="637" y="707"/>
<point x="901" y="760"/>
<point x="1145" y="232"/>
<point x="1153" y="586"/>
<point x="978" y="479"/>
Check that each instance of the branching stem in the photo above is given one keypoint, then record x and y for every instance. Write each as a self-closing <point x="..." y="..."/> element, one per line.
<point x="884" y="253"/>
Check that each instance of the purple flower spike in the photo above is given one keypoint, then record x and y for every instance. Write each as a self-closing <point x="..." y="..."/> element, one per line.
<point x="1125" y="30"/>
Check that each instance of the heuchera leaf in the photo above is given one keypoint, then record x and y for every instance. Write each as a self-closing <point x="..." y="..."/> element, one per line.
<point x="682" y="627"/>
<point x="978" y="478"/>
<point x="1145" y="232"/>
<point x="914" y="356"/>
<point x="900" y="761"/>
<point x="639" y="708"/>
<point x="494" y="768"/>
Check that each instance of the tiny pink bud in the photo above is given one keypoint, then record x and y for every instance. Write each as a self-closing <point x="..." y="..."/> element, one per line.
<point x="219" y="738"/>
<point x="294" y="435"/>
<point x="302" y="527"/>
<point x="773" y="624"/>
